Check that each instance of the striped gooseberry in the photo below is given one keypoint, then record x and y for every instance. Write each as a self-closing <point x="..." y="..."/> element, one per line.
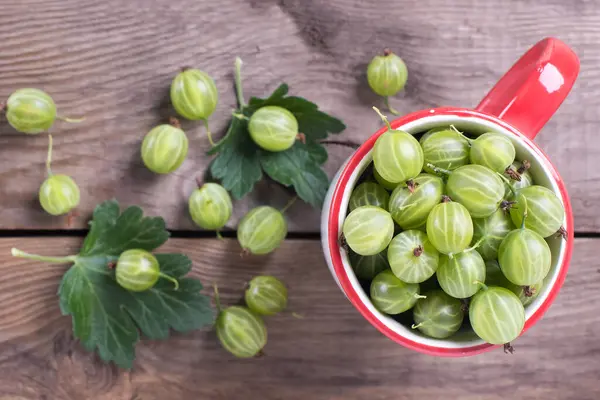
<point x="210" y="206"/>
<point x="165" y="148"/>
<point x="449" y="227"/>
<point x="446" y="149"/>
<point x="194" y="96"/>
<point x="518" y="176"/>
<point x="240" y="331"/>
<point x="138" y="270"/>
<point x="524" y="256"/>
<point x="262" y="230"/>
<point x="59" y="193"/>
<point x="397" y="155"/>
<point x="266" y="295"/>
<point x="458" y="275"/>
<point x="412" y="257"/>
<point x="477" y="188"/>
<point x="369" y="194"/>
<point x="387" y="75"/>
<point x="387" y="185"/>
<point x="545" y="213"/>
<point x="368" y="230"/>
<point x="410" y="205"/>
<point x="495" y="277"/>
<point x="392" y="296"/>
<point x="273" y="128"/>
<point x="493" y="151"/>
<point x="432" y="131"/>
<point x="32" y="111"/>
<point x="496" y="315"/>
<point x="491" y="231"/>
<point x="438" y="315"/>
<point x="367" y="267"/>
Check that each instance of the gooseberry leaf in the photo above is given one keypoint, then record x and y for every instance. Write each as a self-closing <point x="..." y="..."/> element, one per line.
<point x="239" y="162"/>
<point x="108" y="318"/>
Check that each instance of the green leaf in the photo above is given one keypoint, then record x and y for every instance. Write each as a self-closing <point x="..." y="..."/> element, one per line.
<point x="237" y="164"/>
<point x="296" y="167"/>
<point x="317" y="152"/>
<point x="107" y="317"/>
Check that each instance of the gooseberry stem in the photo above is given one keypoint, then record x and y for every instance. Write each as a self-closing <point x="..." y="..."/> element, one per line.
<point x="389" y="107"/>
<point x="217" y="298"/>
<point x="483" y="285"/>
<point x="508" y="182"/>
<point x="71" y="120"/>
<point x="383" y="118"/>
<point x="476" y="245"/>
<point x="289" y="204"/>
<point x="49" y="158"/>
<point x="239" y="116"/>
<point x="53" y="260"/>
<point x="170" y="278"/>
<point x="418" y="296"/>
<point x="524" y="212"/>
<point x="238" y="82"/>
<point x="468" y="139"/>
<point x="219" y="236"/>
<point x="208" y="133"/>
<point x="413" y="326"/>
<point x="438" y="169"/>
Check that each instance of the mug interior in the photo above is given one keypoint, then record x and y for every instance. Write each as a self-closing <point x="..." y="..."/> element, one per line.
<point x="543" y="176"/>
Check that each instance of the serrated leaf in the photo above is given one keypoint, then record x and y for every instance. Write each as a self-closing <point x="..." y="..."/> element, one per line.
<point x="108" y="318"/>
<point x="237" y="164"/>
<point x="297" y="167"/>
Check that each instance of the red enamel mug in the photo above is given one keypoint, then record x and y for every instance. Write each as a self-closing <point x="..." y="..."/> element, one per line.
<point x="518" y="106"/>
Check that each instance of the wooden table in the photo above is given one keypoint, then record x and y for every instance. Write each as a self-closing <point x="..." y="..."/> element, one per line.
<point x="113" y="61"/>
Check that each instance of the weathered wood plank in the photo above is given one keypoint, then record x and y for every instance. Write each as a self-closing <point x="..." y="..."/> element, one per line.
<point x="112" y="61"/>
<point x="332" y="353"/>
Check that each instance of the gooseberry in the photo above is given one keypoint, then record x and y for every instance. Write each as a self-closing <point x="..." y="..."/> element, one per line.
<point x="385" y="184"/>
<point x="519" y="178"/>
<point x="387" y="75"/>
<point x="449" y="227"/>
<point x="138" y="270"/>
<point x="165" y="148"/>
<point x="493" y="151"/>
<point x="367" y="267"/>
<point x="368" y="230"/>
<point x="273" y="128"/>
<point x="524" y="256"/>
<point x="477" y="188"/>
<point x="438" y="315"/>
<point x="210" y="206"/>
<point x="262" y="230"/>
<point x="491" y="230"/>
<point x="496" y="315"/>
<point x="545" y="212"/>
<point x="392" y="296"/>
<point x="369" y="194"/>
<point x="410" y="207"/>
<point x="266" y="295"/>
<point x="458" y="275"/>
<point x="59" y="193"/>
<point x="446" y="149"/>
<point x="412" y="257"/>
<point x="397" y="155"/>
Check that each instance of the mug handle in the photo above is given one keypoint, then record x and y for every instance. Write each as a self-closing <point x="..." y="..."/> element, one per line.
<point x="533" y="89"/>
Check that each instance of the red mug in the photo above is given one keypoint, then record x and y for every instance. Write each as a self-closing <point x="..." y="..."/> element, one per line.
<point x="518" y="106"/>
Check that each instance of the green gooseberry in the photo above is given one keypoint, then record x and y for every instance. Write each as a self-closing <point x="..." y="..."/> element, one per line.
<point x="194" y="94"/>
<point x="493" y="151"/>
<point x="519" y="177"/>
<point x="412" y="257"/>
<point x="59" y="193"/>
<point x="496" y="315"/>
<point x="438" y="315"/>
<point x="369" y="194"/>
<point x="392" y="296"/>
<point x="367" y="267"/>
<point x="458" y="275"/>
<point x="273" y="128"/>
<point x="368" y="230"/>
<point x="210" y="206"/>
<point x="449" y="227"/>
<point x="138" y="270"/>
<point x="165" y="148"/>
<point x="545" y="212"/>
<point x="447" y="149"/>
<point x="491" y="231"/>
<point x="387" y="75"/>
<point x="30" y="111"/>
<point x="410" y="205"/>
<point x="387" y="185"/>
<point x="240" y="331"/>
<point x="266" y="295"/>
<point x="261" y="230"/>
<point x="477" y="188"/>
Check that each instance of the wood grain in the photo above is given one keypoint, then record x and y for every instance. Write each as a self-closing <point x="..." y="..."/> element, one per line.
<point x="112" y="62"/>
<point x="332" y="353"/>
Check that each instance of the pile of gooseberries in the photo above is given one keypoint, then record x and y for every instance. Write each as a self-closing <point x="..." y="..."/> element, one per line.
<point x="452" y="229"/>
